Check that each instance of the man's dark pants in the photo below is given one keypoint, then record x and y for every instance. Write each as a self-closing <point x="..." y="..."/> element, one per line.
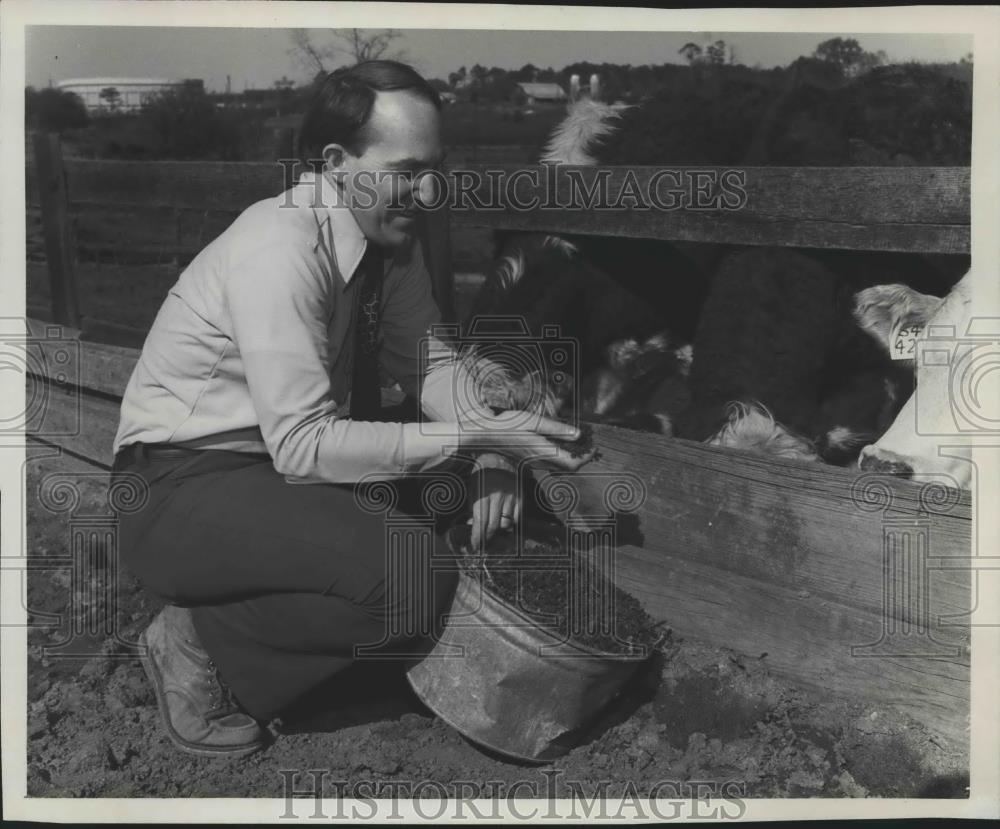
<point x="284" y="580"/>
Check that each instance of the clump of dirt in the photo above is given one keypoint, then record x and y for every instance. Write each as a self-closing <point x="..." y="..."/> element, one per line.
<point x="702" y="702"/>
<point x="867" y="758"/>
<point x="560" y="588"/>
<point x="583" y="444"/>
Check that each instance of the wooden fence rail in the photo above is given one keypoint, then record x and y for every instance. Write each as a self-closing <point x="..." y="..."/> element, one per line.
<point x="916" y="209"/>
<point x="842" y="580"/>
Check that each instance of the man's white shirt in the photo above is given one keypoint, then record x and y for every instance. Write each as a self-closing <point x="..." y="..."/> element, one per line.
<point x="251" y="350"/>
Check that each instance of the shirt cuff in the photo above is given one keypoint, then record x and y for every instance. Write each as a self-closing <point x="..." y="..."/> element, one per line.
<point x="494" y="460"/>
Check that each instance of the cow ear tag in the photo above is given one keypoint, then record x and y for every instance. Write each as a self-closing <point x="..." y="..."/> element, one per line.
<point x="903" y="340"/>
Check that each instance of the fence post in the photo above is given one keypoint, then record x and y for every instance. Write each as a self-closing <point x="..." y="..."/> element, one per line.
<point x="55" y="226"/>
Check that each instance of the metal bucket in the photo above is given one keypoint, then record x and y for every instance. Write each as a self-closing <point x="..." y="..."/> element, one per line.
<point x="510" y="684"/>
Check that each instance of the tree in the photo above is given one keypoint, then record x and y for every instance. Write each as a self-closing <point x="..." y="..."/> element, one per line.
<point x="356" y="44"/>
<point x="715" y="53"/>
<point x="691" y="52"/>
<point x="112" y="97"/>
<point x="526" y="74"/>
<point x="186" y="125"/>
<point x="847" y="54"/>
<point x="368" y="44"/>
<point x="54" y="110"/>
<point x="306" y="52"/>
<point x="869" y="60"/>
<point x="844" y="52"/>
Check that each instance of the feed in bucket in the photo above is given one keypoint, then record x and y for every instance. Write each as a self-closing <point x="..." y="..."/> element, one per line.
<point x="537" y="643"/>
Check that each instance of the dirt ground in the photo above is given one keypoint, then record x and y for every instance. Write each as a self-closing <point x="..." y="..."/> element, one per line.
<point x="698" y="714"/>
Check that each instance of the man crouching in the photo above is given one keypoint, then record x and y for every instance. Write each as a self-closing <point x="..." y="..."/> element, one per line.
<point x="260" y="374"/>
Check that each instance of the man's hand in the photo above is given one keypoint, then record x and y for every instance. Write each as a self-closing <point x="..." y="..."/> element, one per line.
<point x="496" y="502"/>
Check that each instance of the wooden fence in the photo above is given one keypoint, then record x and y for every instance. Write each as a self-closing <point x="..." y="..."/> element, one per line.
<point x="849" y="584"/>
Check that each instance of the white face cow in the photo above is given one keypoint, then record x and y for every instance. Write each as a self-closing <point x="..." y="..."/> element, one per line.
<point x="956" y="393"/>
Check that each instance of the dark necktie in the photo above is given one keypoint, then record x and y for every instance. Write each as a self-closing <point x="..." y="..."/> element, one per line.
<point x="366" y="392"/>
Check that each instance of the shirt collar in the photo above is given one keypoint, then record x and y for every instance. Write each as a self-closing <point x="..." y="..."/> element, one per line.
<point x="339" y="230"/>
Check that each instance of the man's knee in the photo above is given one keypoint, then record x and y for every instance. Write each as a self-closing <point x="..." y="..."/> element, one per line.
<point x="417" y="590"/>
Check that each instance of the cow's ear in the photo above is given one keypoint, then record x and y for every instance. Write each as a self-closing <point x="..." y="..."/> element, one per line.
<point x="879" y="310"/>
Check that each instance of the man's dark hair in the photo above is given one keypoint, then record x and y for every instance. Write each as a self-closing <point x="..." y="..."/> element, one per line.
<point x="342" y="105"/>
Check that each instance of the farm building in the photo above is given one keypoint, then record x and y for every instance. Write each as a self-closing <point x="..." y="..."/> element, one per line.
<point x="540" y="93"/>
<point x="101" y="95"/>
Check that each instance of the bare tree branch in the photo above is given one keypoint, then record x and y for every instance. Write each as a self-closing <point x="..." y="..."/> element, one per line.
<point x="356" y="45"/>
<point x="313" y="57"/>
<point x="368" y="44"/>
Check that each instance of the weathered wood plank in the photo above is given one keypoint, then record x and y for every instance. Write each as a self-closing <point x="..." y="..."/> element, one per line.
<point x="112" y="334"/>
<point x="807" y="639"/>
<point x="798" y="525"/>
<point x="201" y="185"/>
<point x="93" y="366"/>
<point x="59" y="252"/>
<point x="123" y="251"/>
<point x="919" y="209"/>
<point x="93" y="330"/>
<point x="83" y="425"/>
<point x="851" y="195"/>
<point x="764" y="555"/>
<point x="732" y="230"/>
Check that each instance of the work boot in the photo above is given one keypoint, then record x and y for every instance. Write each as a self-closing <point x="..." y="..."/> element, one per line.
<point x="198" y="709"/>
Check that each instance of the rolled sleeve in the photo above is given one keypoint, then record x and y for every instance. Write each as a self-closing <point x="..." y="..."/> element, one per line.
<point x="279" y="301"/>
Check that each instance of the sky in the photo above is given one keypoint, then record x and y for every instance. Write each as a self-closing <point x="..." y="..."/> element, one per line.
<point x="256" y="58"/>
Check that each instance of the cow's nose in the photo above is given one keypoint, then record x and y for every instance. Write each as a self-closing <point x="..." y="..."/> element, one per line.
<point x="874" y="459"/>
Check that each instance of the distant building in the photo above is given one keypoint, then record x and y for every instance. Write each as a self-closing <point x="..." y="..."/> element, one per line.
<point x="106" y="95"/>
<point x="540" y="93"/>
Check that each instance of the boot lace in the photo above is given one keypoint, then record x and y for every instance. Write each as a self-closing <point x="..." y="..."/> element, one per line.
<point x="221" y="697"/>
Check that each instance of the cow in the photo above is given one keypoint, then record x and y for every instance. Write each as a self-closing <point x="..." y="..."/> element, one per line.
<point x="925" y="441"/>
<point x="625" y="364"/>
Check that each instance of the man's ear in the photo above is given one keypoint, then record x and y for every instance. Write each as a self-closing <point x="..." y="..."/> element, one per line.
<point x="334" y="156"/>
